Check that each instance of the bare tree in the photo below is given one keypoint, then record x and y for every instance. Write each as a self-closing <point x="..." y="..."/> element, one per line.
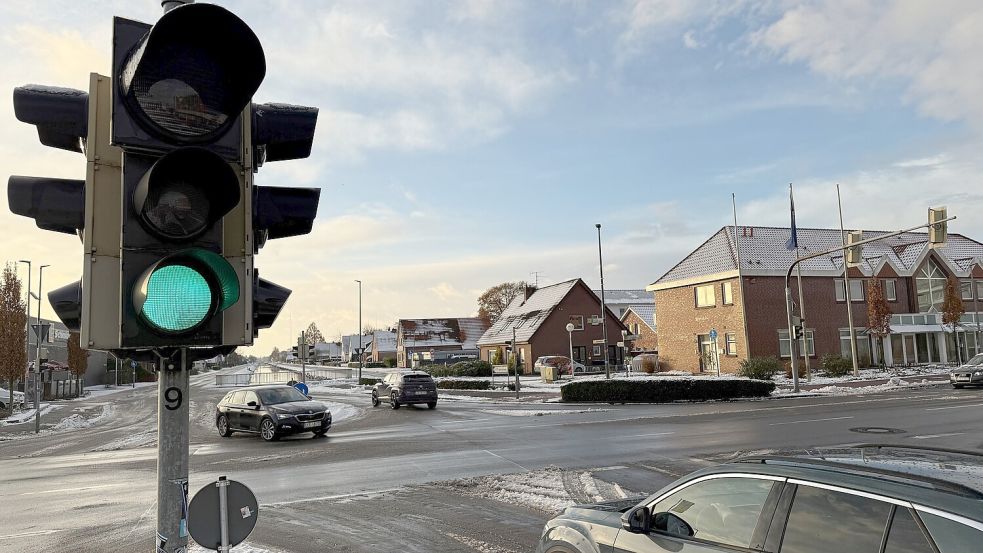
<point x="78" y="360"/>
<point x="275" y="355"/>
<point x="13" y="322"/>
<point x="952" y="310"/>
<point x="494" y="300"/>
<point x="878" y="312"/>
<point x="313" y="335"/>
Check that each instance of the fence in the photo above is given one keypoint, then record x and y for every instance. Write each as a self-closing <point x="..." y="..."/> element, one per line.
<point x="280" y="375"/>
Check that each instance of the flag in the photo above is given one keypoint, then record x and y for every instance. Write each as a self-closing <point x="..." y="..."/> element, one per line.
<point x="793" y="240"/>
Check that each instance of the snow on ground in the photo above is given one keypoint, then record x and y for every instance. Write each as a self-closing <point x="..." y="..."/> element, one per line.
<point x="26" y="416"/>
<point x="542" y="490"/>
<point x="100" y="391"/>
<point x="147" y="438"/>
<point x="892" y="385"/>
<point x="341" y="411"/>
<point x="868" y="374"/>
<point x="76" y="421"/>
<point x="243" y="547"/>
<point x="538" y="413"/>
<point x="477" y="545"/>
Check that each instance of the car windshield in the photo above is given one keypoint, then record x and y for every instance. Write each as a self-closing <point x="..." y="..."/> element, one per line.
<point x="273" y="396"/>
<point x="978" y="360"/>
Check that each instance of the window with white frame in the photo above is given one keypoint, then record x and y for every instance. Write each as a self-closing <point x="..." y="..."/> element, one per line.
<point x="577" y="321"/>
<point x="784" y="343"/>
<point x="979" y="290"/>
<point x="730" y="343"/>
<point x="966" y="288"/>
<point x="930" y="287"/>
<point x="597" y="351"/>
<point x="891" y="290"/>
<point x="726" y="293"/>
<point x="856" y="290"/>
<point x="705" y="296"/>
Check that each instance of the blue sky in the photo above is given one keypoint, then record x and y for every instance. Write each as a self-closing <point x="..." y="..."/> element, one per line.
<point x="461" y="144"/>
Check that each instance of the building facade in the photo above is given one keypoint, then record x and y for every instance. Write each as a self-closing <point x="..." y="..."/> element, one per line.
<point x="640" y="321"/>
<point x="433" y="335"/>
<point x="539" y="319"/>
<point x="707" y="291"/>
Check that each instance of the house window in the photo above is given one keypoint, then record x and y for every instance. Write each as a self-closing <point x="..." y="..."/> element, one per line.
<point x="577" y="321"/>
<point x="730" y="343"/>
<point x="726" y="293"/>
<point x="930" y="287"/>
<point x="597" y="351"/>
<point x="966" y="287"/>
<point x="891" y="290"/>
<point x="979" y="290"/>
<point x="783" y="343"/>
<point x="856" y="290"/>
<point x="705" y="296"/>
<point x="636" y="329"/>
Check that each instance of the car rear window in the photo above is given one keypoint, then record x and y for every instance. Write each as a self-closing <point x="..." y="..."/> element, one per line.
<point x="822" y="521"/>
<point x="416" y="378"/>
<point x="905" y="535"/>
<point x="951" y="536"/>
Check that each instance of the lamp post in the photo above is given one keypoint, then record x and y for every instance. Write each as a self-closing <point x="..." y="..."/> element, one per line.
<point x="27" y="329"/>
<point x="604" y="327"/>
<point x="37" y="359"/>
<point x="359" y="329"/>
<point x="570" y="328"/>
<point x="624" y="350"/>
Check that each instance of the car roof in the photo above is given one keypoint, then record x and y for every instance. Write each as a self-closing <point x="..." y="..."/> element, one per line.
<point x="946" y="479"/>
<point x="261" y="387"/>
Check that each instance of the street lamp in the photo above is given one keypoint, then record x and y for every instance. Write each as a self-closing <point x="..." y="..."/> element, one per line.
<point x="360" y="358"/>
<point x="604" y="327"/>
<point x="624" y="350"/>
<point x="27" y="338"/>
<point x="37" y="359"/>
<point x="570" y="328"/>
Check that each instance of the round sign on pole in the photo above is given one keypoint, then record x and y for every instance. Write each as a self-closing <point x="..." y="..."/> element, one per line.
<point x="302" y="387"/>
<point x="205" y="519"/>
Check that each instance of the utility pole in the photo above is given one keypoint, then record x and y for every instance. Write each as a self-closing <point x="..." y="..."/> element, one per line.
<point x="27" y="340"/>
<point x="360" y="357"/>
<point x="172" y="453"/>
<point x="604" y="327"/>
<point x="515" y="358"/>
<point x="302" y="351"/>
<point x="37" y="359"/>
<point x="802" y="309"/>
<point x="846" y="286"/>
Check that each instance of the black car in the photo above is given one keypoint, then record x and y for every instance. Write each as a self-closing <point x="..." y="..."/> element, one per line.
<point x="867" y="499"/>
<point x="970" y="374"/>
<point x="271" y="412"/>
<point x="406" y="388"/>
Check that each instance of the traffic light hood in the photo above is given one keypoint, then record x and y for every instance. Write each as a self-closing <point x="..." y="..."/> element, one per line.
<point x="60" y="114"/>
<point x="54" y="204"/>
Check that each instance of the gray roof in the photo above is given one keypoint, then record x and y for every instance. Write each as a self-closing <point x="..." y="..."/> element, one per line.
<point x="526" y="315"/>
<point x="383" y="340"/>
<point x="425" y="333"/>
<point x="763" y="252"/>
<point x="644" y="312"/>
<point x="626" y="297"/>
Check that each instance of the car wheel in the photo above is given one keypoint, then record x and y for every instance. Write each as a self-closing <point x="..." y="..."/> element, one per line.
<point x="394" y="401"/>
<point x="432" y="405"/>
<point x="957" y="386"/>
<point x="320" y="433"/>
<point x="223" y="427"/>
<point x="375" y="399"/>
<point x="268" y="430"/>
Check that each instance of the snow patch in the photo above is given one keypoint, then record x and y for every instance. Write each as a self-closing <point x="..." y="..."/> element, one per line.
<point x="76" y="421"/>
<point x="539" y="413"/>
<point x="477" y="545"/>
<point x="241" y="548"/>
<point x="142" y="439"/>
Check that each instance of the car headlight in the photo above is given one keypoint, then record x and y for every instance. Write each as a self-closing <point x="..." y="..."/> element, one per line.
<point x="978" y="373"/>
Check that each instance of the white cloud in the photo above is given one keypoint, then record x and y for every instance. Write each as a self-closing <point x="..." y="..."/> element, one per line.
<point x="932" y="46"/>
<point x="690" y="41"/>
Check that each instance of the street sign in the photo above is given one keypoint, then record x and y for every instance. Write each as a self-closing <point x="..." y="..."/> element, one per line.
<point x="713" y="334"/>
<point x="206" y="515"/>
<point x="41" y="331"/>
<point x="595" y="320"/>
<point x="599" y="341"/>
<point x="133" y="364"/>
<point x="621" y="344"/>
<point x="302" y="387"/>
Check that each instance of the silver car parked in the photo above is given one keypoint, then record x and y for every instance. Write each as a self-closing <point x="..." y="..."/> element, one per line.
<point x="406" y="388"/>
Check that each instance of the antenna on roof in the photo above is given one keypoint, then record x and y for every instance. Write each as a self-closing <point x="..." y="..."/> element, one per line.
<point x="535" y="275"/>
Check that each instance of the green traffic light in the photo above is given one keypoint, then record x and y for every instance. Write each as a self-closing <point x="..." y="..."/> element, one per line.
<point x="178" y="298"/>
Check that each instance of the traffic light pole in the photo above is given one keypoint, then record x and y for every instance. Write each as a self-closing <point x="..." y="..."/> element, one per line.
<point x="842" y="248"/>
<point x="172" y="454"/>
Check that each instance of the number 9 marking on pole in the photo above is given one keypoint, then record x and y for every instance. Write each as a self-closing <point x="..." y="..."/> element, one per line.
<point x="173" y="396"/>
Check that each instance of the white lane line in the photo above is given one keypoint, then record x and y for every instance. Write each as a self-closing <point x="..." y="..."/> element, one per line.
<point x="73" y="489"/>
<point x="458" y="422"/>
<point x="930" y="436"/>
<point x="29" y="534"/>
<point x="329" y="497"/>
<point x="647" y="435"/>
<point x="809" y="420"/>
<point x="615" y="467"/>
<point x="507" y="460"/>
<point x="621" y="493"/>
<point x="954" y="407"/>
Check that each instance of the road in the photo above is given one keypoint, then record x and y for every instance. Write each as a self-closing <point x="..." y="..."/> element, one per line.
<point x="368" y="486"/>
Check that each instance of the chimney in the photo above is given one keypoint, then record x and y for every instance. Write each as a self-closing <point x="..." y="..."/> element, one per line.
<point x="529" y="291"/>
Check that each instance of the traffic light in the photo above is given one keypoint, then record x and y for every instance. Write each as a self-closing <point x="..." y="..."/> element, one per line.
<point x="938" y="230"/>
<point x="854" y="254"/>
<point x="168" y="214"/>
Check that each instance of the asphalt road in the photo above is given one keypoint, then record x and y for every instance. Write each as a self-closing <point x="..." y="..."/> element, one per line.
<point x="368" y="486"/>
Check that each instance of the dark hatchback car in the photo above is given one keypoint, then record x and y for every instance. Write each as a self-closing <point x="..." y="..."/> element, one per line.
<point x="406" y="388"/>
<point x="869" y="499"/>
<point x="970" y="374"/>
<point x="271" y="412"/>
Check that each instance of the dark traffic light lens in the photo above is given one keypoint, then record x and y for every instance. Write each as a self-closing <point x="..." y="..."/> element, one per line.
<point x="178" y="298"/>
<point x="176" y="107"/>
<point x="177" y="209"/>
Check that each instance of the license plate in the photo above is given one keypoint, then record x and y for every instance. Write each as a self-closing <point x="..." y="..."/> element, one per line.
<point x="421" y="392"/>
<point x="962" y="379"/>
<point x="311" y="424"/>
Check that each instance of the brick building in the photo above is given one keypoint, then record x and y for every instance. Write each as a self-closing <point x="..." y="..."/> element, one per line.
<point x="640" y="320"/>
<point x="746" y="305"/>
<point x="426" y="336"/>
<point x="540" y="317"/>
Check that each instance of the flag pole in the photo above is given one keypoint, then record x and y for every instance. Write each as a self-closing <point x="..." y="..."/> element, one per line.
<point x="802" y="301"/>
<point x="740" y="280"/>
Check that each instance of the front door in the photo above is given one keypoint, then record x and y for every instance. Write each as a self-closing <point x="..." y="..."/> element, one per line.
<point x="250" y="416"/>
<point x="705" y="349"/>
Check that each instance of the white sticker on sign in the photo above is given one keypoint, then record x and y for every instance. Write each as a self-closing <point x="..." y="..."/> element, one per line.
<point x="246" y="512"/>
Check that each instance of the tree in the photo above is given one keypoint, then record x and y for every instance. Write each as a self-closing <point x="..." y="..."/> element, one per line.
<point x="878" y="313"/>
<point x="498" y="357"/>
<point x="952" y="310"/>
<point x="78" y="359"/>
<point x="275" y="354"/>
<point x="13" y="322"/>
<point x="313" y="335"/>
<point x="494" y="300"/>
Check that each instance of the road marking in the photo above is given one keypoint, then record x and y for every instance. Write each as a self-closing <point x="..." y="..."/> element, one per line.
<point x="29" y="534"/>
<point x="954" y="407"/>
<point x="329" y="497"/>
<point x="508" y="460"/>
<point x="809" y="420"/>
<point x="73" y="489"/>
<point x="646" y="435"/>
<point x="615" y="467"/>
<point x="621" y="493"/>
<point x="930" y="436"/>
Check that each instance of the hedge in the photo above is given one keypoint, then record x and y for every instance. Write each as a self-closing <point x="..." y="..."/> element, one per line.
<point x="463" y="384"/>
<point x="664" y="390"/>
<point x="375" y="365"/>
<point x="836" y="365"/>
<point x="369" y="381"/>
<point x="461" y="368"/>
<point x="760" y="368"/>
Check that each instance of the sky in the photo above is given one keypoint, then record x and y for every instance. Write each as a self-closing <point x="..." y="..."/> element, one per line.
<point x="464" y="143"/>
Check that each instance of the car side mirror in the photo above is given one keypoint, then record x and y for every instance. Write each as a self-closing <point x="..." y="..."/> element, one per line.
<point x="252" y="404"/>
<point x="637" y="520"/>
<point x="672" y="524"/>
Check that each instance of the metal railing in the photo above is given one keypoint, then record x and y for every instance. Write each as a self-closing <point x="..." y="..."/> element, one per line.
<point x="281" y="375"/>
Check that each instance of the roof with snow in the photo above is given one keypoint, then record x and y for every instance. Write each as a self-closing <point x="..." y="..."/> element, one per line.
<point x="428" y="333"/>
<point x="626" y="297"/>
<point x="383" y="340"/>
<point x="764" y="253"/>
<point x="644" y="312"/>
<point x="526" y="315"/>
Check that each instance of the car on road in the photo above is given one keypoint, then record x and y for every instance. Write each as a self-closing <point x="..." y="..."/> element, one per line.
<point x="406" y="388"/>
<point x="272" y="412"/>
<point x="970" y="374"/>
<point x="866" y="499"/>
<point x="5" y="398"/>
<point x="562" y="363"/>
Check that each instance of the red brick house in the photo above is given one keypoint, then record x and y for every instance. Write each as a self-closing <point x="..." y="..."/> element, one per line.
<point x="433" y="335"/>
<point x="640" y="320"/>
<point x="746" y="304"/>
<point x="539" y="318"/>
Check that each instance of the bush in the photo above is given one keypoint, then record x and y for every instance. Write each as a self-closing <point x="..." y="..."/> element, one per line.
<point x="375" y="365"/>
<point x="836" y="365"/>
<point x="760" y="368"/>
<point x="663" y="390"/>
<point x="801" y="368"/>
<point x="389" y="362"/>
<point x="461" y="368"/>
<point x="369" y="381"/>
<point x="463" y="384"/>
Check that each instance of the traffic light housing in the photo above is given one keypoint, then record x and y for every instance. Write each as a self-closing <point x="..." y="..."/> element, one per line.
<point x="938" y="230"/>
<point x="854" y="253"/>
